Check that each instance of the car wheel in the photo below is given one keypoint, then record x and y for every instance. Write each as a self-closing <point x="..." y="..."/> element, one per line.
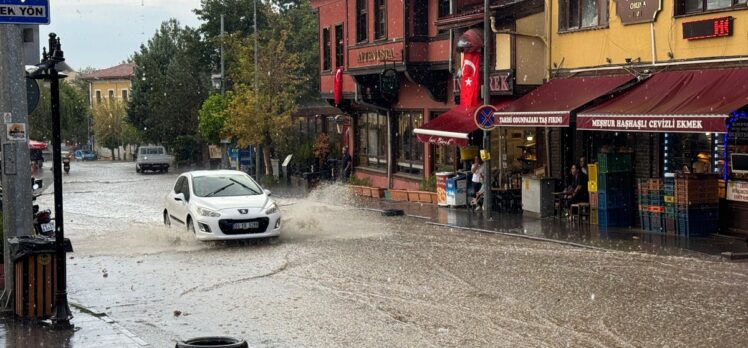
<point x="191" y="226"/>
<point x="137" y="169"/>
<point x="167" y="220"/>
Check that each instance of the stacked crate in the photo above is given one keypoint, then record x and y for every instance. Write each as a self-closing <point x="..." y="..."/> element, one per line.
<point x="614" y="189"/>
<point x="642" y="189"/>
<point x="656" y="208"/>
<point x="697" y="204"/>
<point x="592" y="189"/>
<point x="668" y="198"/>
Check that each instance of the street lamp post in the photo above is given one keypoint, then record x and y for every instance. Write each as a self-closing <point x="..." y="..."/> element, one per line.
<point x="488" y="179"/>
<point x="47" y="69"/>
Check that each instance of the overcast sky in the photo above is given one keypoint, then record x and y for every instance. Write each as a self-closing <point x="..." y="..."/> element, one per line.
<point x="103" y="33"/>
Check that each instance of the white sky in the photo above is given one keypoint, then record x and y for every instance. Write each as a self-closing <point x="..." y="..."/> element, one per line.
<point x="103" y="33"/>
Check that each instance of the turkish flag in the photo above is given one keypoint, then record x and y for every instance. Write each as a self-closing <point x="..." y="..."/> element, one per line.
<point x="337" y="89"/>
<point x="470" y="84"/>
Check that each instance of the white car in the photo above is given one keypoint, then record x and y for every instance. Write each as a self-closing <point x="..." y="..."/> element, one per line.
<point x="222" y="205"/>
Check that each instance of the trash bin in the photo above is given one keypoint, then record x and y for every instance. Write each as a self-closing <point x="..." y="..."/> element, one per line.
<point x="441" y="187"/>
<point x="35" y="275"/>
<point x="456" y="191"/>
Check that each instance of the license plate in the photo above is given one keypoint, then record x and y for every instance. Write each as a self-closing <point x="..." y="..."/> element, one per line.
<point x="48" y="227"/>
<point x="246" y="225"/>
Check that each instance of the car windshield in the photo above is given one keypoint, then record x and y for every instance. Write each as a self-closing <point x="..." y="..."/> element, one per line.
<point x="225" y="186"/>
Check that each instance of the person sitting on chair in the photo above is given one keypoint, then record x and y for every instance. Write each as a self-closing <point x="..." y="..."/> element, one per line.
<point x="577" y="192"/>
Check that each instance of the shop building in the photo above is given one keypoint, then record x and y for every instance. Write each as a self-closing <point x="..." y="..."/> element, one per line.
<point x="394" y="69"/>
<point x="680" y="115"/>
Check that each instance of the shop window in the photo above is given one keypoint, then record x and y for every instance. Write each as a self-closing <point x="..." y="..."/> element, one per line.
<point x="339" y="40"/>
<point x="409" y="150"/>
<point x="421" y="18"/>
<point x="372" y="140"/>
<point x="444" y="8"/>
<point x="444" y="155"/>
<point x="581" y="14"/>
<point x="380" y="19"/>
<point x="361" y="21"/>
<point x="326" y="64"/>
<point x="685" y="7"/>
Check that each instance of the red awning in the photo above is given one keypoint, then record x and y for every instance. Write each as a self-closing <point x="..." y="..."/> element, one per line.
<point x="551" y="104"/>
<point x="452" y="127"/>
<point x="37" y="145"/>
<point x="675" y="101"/>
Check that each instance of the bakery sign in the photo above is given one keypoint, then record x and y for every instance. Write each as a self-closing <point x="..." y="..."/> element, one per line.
<point x="376" y="55"/>
<point x="638" y="11"/>
<point x="652" y="123"/>
<point x="737" y="191"/>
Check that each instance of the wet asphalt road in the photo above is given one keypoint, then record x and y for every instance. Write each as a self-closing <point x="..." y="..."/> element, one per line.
<point x="342" y="277"/>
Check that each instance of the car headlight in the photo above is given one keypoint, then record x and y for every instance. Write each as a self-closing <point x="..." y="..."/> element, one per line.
<point x="271" y="209"/>
<point x="208" y="212"/>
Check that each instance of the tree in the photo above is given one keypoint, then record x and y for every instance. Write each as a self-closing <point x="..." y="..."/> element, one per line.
<point x="213" y="117"/>
<point x="74" y="114"/>
<point x="260" y="116"/>
<point x="109" y="124"/>
<point x="171" y="80"/>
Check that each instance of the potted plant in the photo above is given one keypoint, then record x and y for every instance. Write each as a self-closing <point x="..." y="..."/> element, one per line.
<point x="426" y="192"/>
<point x="398" y="195"/>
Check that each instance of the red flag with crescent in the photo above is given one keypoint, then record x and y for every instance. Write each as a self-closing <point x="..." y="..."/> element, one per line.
<point x="337" y="89"/>
<point x="470" y="83"/>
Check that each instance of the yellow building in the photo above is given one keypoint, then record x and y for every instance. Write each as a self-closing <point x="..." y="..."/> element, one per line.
<point x="110" y="84"/>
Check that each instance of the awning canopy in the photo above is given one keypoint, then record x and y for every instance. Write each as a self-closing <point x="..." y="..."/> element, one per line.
<point x="551" y="104"/>
<point x="450" y="128"/>
<point x="675" y="101"/>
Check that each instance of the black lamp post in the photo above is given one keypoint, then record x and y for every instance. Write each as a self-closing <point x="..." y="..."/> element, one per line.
<point x="47" y="69"/>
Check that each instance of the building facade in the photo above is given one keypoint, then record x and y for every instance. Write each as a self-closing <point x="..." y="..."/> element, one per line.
<point x="109" y="84"/>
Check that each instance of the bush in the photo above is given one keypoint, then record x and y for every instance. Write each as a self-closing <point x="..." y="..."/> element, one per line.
<point x="186" y="149"/>
<point x="268" y="180"/>
<point x="428" y="184"/>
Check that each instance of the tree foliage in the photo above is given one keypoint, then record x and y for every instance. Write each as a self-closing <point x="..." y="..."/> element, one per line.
<point x="110" y="125"/>
<point x="74" y="114"/>
<point x="170" y="82"/>
<point x="213" y="117"/>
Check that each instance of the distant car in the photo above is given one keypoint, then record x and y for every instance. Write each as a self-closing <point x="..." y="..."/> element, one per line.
<point x="222" y="205"/>
<point x="152" y="158"/>
<point x="85" y="155"/>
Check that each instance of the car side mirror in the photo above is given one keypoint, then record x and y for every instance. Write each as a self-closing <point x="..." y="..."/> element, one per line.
<point x="267" y="192"/>
<point x="179" y="197"/>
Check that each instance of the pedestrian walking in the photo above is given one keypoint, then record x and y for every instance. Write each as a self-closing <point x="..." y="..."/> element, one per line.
<point x="347" y="164"/>
<point x="477" y="170"/>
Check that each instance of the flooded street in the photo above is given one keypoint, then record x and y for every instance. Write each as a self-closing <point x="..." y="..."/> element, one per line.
<point x="341" y="277"/>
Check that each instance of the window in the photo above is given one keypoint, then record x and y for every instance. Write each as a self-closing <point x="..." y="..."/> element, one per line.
<point x="339" y="40"/>
<point x="380" y="19"/>
<point x="124" y="95"/>
<point x="372" y="140"/>
<point x="444" y="9"/>
<point x="111" y="95"/>
<point x="580" y="14"/>
<point x="361" y="21"/>
<point x="98" y="96"/>
<point x="683" y="7"/>
<point x="178" y="185"/>
<point x="421" y="18"/>
<point x="326" y="63"/>
<point x="409" y="150"/>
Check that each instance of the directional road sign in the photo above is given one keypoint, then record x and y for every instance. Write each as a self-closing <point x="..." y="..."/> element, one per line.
<point x="484" y="117"/>
<point x="24" y="11"/>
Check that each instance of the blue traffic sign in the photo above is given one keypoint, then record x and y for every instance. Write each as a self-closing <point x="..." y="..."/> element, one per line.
<point x="24" y="11"/>
<point x="485" y="117"/>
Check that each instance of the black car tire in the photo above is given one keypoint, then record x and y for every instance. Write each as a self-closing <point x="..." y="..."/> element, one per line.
<point x="191" y="226"/>
<point x="167" y="220"/>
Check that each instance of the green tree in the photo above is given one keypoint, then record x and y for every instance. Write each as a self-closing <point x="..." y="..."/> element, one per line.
<point x="213" y="118"/>
<point x="170" y="82"/>
<point x="110" y="125"/>
<point x="74" y="114"/>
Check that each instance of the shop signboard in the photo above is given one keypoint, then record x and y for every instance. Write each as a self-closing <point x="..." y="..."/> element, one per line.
<point x="533" y="119"/>
<point x="637" y="11"/>
<point x="737" y="191"/>
<point x="738" y="132"/>
<point x="653" y="123"/>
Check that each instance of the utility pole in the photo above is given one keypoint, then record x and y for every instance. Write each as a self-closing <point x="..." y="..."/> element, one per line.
<point x="16" y="169"/>
<point x="224" y="157"/>
<point x="487" y="178"/>
<point x="258" y="148"/>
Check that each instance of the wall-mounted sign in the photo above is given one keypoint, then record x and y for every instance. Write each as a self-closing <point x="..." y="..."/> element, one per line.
<point x="501" y="83"/>
<point x="676" y="124"/>
<point x="376" y="55"/>
<point x="708" y="28"/>
<point x="637" y="11"/>
<point x="738" y="132"/>
<point x="737" y="191"/>
<point x="16" y="131"/>
<point x="24" y="11"/>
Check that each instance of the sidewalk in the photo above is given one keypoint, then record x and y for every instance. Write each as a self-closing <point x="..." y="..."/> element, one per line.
<point x="551" y="229"/>
<point x="91" y="331"/>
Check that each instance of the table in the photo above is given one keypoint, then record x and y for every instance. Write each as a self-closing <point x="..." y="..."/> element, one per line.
<point x="507" y="200"/>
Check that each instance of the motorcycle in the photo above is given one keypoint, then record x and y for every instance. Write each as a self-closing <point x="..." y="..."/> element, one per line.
<point x="66" y="164"/>
<point x="42" y="221"/>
